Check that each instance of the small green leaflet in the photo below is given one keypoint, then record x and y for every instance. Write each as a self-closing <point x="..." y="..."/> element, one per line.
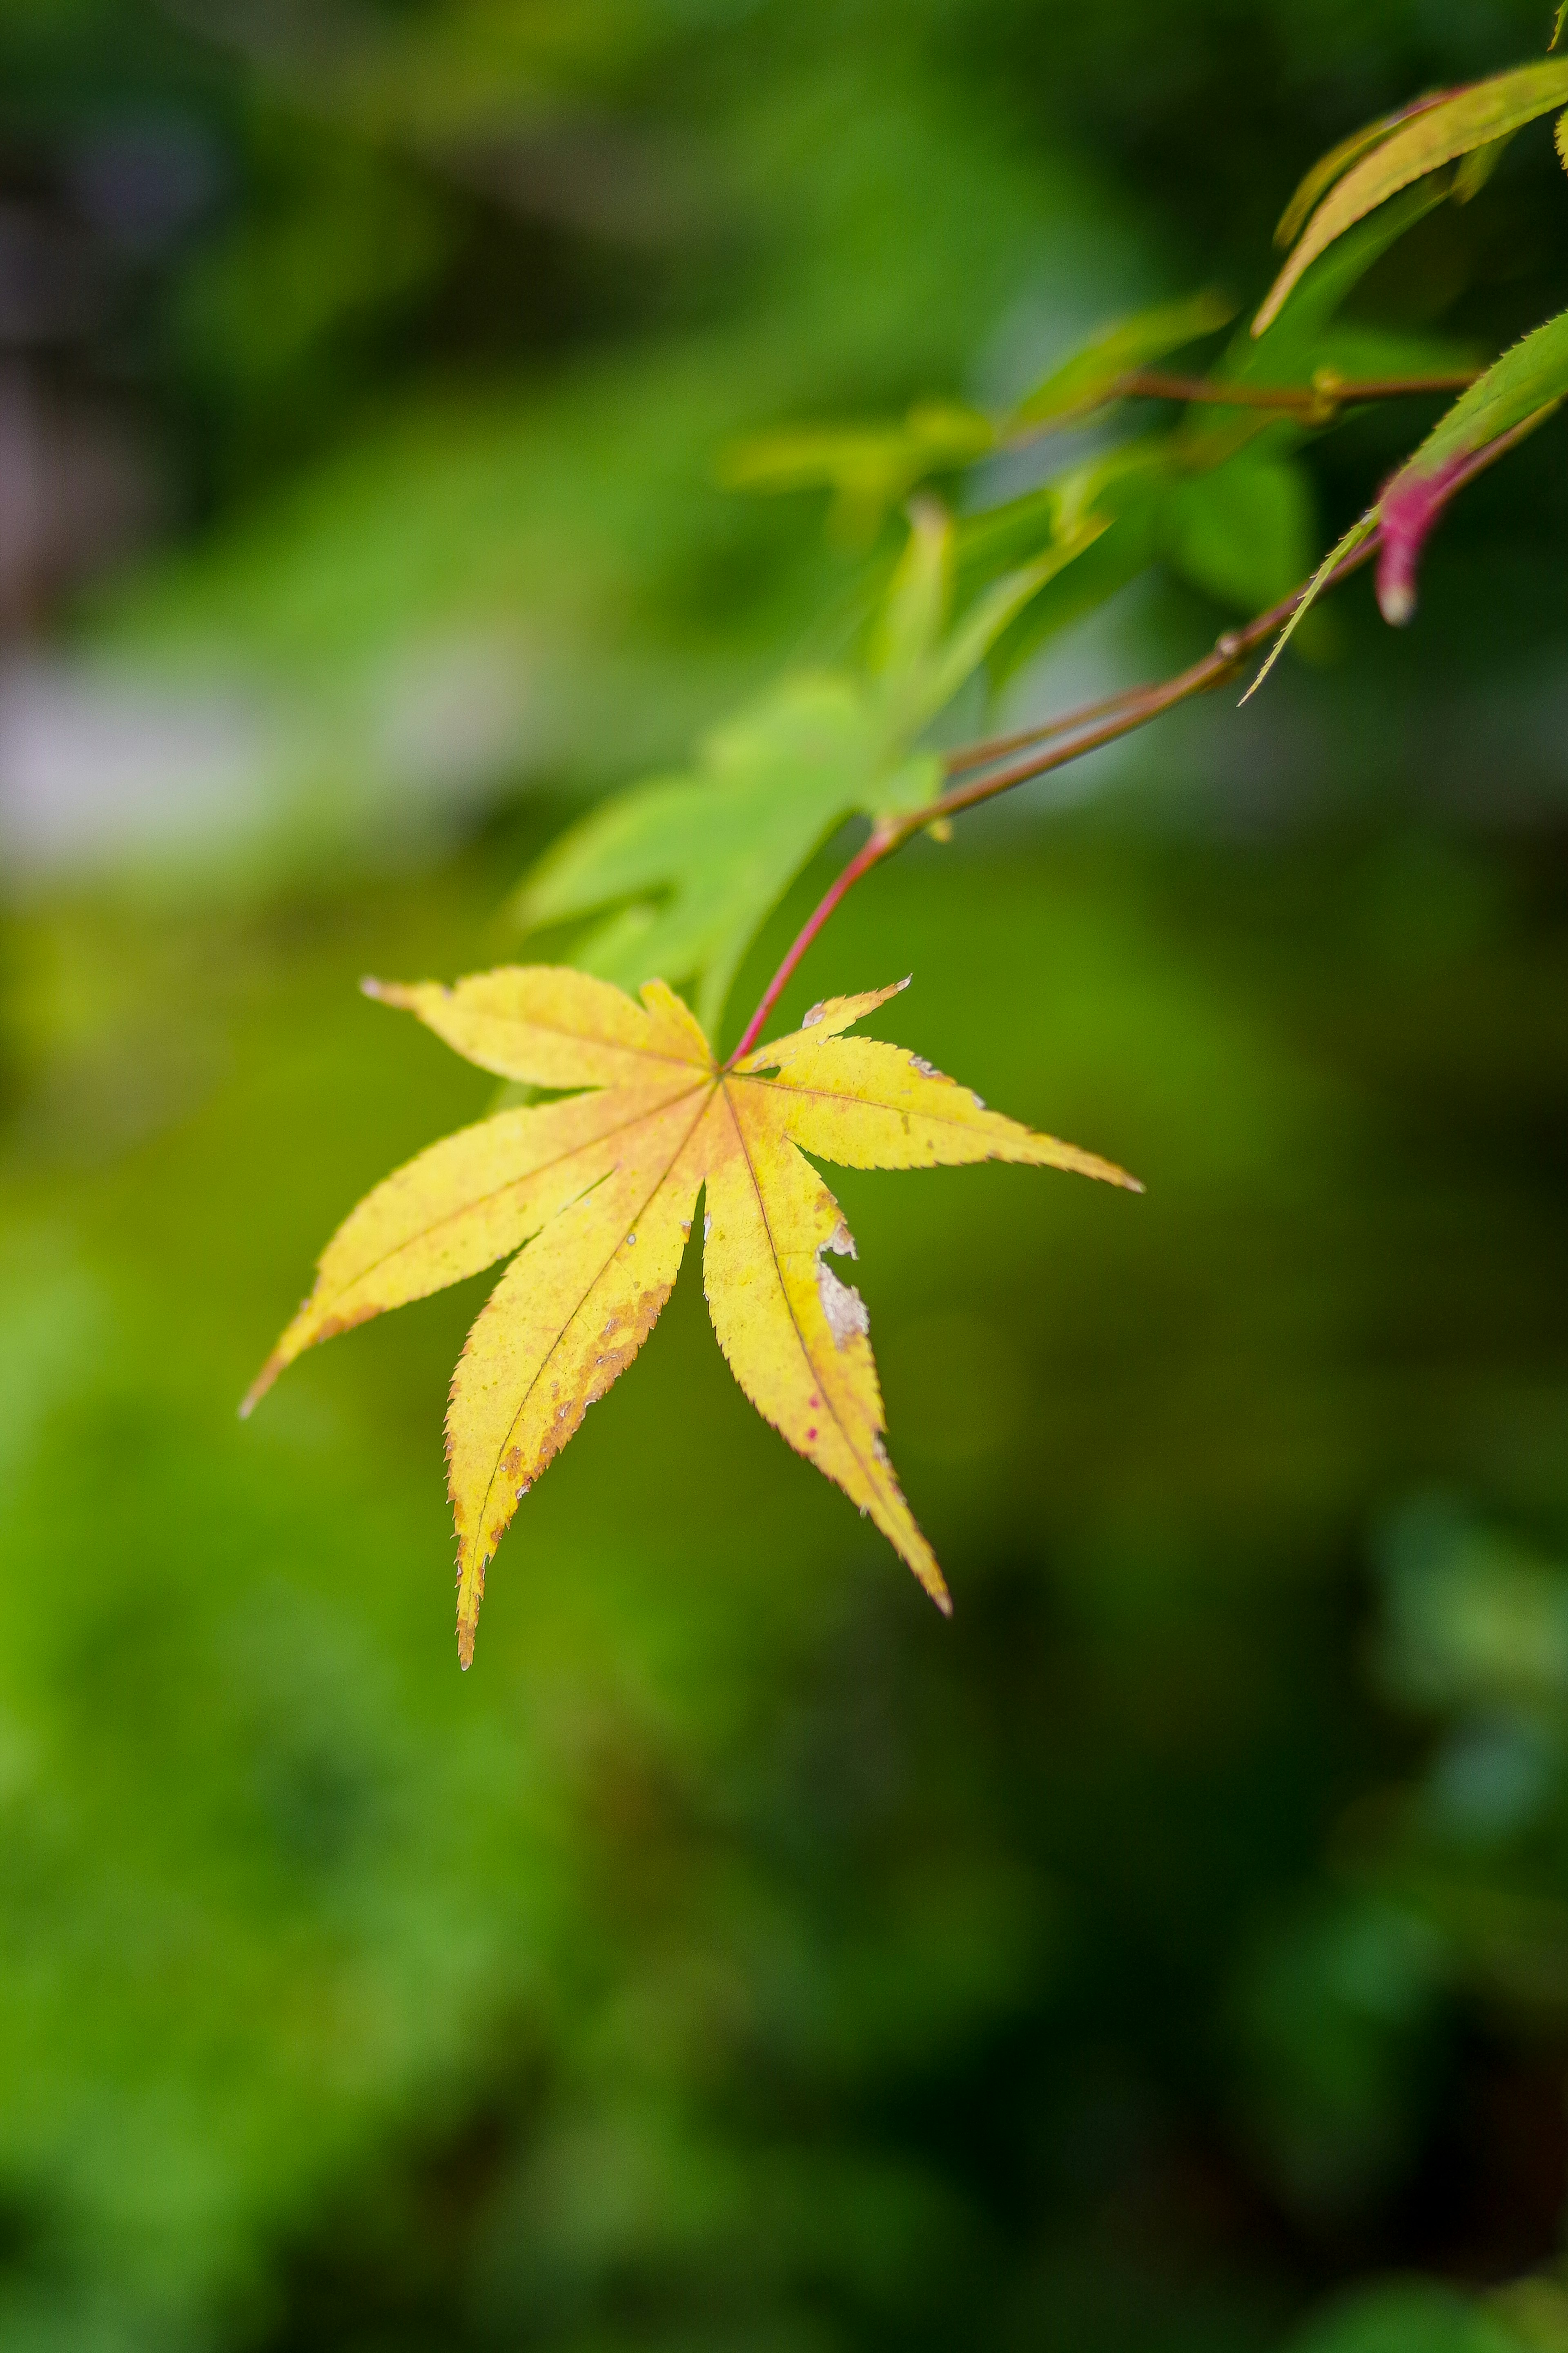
<point x="682" y="872"/>
<point x="1556" y="37"/>
<point x="1359" y="532"/>
<point x="1091" y="377"/>
<point x="1477" y="117"/>
<point x="869" y="469"/>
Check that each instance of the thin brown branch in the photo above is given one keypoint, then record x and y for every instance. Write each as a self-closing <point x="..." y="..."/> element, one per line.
<point x="996" y="747"/>
<point x="1317" y="403"/>
<point x="1327" y="393"/>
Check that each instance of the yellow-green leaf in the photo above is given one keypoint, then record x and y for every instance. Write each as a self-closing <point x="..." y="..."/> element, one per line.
<point x="1338" y="161"/>
<point x="602" y="1191"/>
<point x="1438" y="135"/>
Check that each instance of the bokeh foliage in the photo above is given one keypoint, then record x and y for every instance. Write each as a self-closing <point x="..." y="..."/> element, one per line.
<point x="1170" y="1953"/>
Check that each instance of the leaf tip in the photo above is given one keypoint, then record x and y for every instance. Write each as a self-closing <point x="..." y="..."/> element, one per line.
<point x="931" y="1579"/>
<point x="259" y="1386"/>
<point x="1396" y="603"/>
<point x="400" y="994"/>
<point x="1090" y="1163"/>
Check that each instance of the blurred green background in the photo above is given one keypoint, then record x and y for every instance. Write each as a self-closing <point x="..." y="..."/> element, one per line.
<point x="1171" y="1954"/>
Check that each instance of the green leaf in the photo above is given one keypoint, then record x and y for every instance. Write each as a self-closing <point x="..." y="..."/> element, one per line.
<point x="1557" y="29"/>
<point x="1243" y="533"/>
<point x="1338" y="161"/>
<point x="1293" y="345"/>
<point x="914" y="611"/>
<point x="1091" y="377"/>
<point x="917" y="670"/>
<point x="1438" y="135"/>
<point x="1110" y="562"/>
<point x="1476" y="168"/>
<point x="994" y="612"/>
<point x="1307" y="336"/>
<point x="1527" y="382"/>
<point x="1358" y="535"/>
<point x="869" y="468"/>
<point x="1102" y="511"/>
<point x="684" y="870"/>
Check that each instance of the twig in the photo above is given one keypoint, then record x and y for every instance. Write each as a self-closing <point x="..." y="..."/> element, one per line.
<point x="1324" y="396"/>
<point x="1121" y="716"/>
<point x="1317" y="403"/>
<point x="996" y="747"/>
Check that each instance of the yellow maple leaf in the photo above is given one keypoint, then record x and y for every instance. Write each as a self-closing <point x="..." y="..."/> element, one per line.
<point x="602" y="1186"/>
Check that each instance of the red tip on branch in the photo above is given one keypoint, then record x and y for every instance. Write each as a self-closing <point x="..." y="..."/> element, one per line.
<point x="1413" y="504"/>
<point x="1410" y="507"/>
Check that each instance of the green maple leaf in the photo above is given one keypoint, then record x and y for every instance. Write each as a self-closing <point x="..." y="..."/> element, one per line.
<point x="676" y="877"/>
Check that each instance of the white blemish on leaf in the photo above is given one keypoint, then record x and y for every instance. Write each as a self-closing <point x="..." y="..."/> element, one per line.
<point x="842" y="1305"/>
<point x="927" y="1070"/>
<point x="815" y="1016"/>
<point x="707" y="1227"/>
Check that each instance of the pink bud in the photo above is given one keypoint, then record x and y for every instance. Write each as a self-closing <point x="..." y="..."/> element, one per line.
<point x="1409" y="507"/>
